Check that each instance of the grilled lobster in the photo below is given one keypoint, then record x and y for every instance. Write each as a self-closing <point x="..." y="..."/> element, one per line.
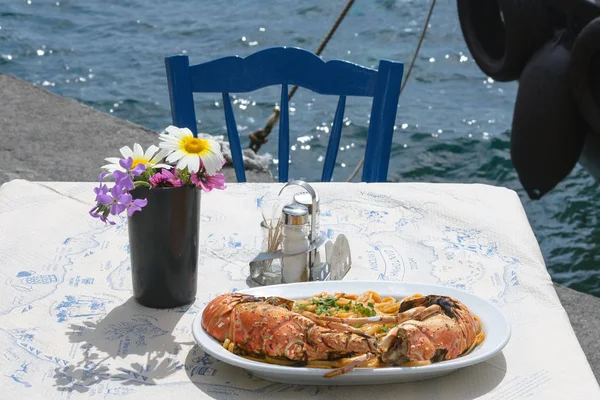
<point x="260" y="326"/>
<point x="429" y="328"/>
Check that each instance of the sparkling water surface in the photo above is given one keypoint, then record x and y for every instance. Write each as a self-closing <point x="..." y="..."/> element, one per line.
<point x="453" y="122"/>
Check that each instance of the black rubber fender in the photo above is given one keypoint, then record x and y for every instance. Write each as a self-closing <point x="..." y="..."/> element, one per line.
<point x="582" y="11"/>
<point x="503" y="34"/>
<point x="584" y="73"/>
<point x="547" y="130"/>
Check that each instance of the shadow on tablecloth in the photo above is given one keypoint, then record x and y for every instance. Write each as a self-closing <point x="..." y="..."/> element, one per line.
<point x="121" y="336"/>
<point x="222" y="381"/>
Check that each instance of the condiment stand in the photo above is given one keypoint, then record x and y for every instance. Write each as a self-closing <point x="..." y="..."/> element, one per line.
<point x="265" y="270"/>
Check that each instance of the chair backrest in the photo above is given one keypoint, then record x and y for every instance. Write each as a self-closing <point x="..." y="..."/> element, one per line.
<point x="292" y="66"/>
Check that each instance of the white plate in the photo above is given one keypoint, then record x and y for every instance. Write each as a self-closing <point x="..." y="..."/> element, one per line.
<point x="494" y="324"/>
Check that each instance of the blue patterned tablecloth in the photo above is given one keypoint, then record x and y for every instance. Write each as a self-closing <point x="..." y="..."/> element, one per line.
<point x="70" y="328"/>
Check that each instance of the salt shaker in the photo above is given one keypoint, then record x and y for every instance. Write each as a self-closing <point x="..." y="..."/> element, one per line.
<point x="305" y="199"/>
<point x="295" y="240"/>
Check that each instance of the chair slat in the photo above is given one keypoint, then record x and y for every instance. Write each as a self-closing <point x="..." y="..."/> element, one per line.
<point x="234" y="140"/>
<point x="284" y="135"/>
<point x="334" y="140"/>
<point x="274" y="66"/>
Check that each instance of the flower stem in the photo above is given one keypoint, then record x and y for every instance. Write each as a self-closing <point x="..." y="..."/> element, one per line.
<point x="141" y="183"/>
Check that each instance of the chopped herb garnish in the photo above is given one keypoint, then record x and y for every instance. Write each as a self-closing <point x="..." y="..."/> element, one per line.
<point x="324" y="304"/>
<point x="371" y="305"/>
<point x="384" y="329"/>
<point x="361" y="309"/>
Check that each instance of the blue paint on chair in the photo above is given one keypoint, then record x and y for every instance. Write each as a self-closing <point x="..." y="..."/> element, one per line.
<point x="292" y="66"/>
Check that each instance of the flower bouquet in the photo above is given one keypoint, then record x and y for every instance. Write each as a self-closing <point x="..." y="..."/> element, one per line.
<point x="160" y="190"/>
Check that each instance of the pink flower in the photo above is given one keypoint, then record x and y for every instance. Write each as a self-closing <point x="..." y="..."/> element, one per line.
<point x="165" y="179"/>
<point x="209" y="182"/>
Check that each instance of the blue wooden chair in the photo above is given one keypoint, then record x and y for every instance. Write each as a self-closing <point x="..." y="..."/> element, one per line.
<point x="292" y="66"/>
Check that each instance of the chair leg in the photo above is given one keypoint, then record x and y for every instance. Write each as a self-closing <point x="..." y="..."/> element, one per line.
<point x="180" y="92"/>
<point x="383" y="117"/>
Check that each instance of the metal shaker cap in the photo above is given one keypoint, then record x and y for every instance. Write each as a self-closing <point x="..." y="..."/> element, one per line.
<point x="294" y="214"/>
<point x="305" y="199"/>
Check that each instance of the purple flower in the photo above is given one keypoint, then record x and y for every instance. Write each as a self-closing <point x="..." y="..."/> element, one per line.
<point x="126" y="163"/>
<point x="165" y="179"/>
<point x="123" y="179"/>
<point x="101" y="190"/>
<point x="103" y="197"/>
<point x="119" y="200"/>
<point x="94" y="212"/>
<point x="101" y="177"/>
<point x="135" y="205"/>
<point x="103" y="216"/>
<point x="138" y="170"/>
<point x="209" y="182"/>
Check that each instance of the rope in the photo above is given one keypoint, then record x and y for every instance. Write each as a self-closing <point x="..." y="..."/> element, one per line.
<point x="259" y="137"/>
<point x="410" y="68"/>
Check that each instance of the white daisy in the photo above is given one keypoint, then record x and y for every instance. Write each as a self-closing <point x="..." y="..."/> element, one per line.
<point x="191" y="152"/>
<point x="151" y="158"/>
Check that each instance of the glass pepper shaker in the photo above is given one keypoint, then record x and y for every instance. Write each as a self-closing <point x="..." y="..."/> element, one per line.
<point x="305" y="199"/>
<point x="295" y="231"/>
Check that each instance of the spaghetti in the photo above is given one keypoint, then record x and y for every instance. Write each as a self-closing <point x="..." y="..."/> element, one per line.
<point x="346" y="306"/>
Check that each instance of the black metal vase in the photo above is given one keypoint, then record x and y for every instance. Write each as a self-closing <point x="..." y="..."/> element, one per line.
<point x="163" y="241"/>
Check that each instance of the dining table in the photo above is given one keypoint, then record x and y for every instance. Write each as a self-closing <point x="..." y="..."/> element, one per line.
<point x="70" y="326"/>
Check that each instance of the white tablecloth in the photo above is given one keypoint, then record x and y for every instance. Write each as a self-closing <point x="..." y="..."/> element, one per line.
<point x="69" y="326"/>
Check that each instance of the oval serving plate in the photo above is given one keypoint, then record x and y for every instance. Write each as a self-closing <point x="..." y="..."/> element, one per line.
<point x="494" y="324"/>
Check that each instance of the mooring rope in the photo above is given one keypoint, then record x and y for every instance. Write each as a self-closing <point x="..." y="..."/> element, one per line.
<point x="405" y="80"/>
<point x="259" y="137"/>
